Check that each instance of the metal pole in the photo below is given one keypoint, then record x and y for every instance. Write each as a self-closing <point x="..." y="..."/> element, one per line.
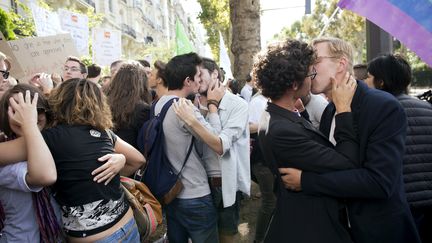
<point x="329" y="21"/>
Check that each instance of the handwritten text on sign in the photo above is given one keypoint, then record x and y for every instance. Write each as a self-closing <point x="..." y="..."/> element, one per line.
<point x="43" y="54"/>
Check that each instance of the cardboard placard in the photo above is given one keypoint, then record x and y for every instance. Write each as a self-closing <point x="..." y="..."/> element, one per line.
<point x="43" y="54"/>
<point x="16" y="70"/>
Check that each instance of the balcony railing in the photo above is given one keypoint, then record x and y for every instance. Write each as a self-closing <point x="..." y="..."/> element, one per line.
<point x="127" y="29"/>
<point x="91" y="3"/>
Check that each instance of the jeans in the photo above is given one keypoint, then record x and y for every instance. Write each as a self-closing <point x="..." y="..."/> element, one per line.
<point x="126" y="234"/>
<point x="268" y="199"/>
<point x="194" y="218"/>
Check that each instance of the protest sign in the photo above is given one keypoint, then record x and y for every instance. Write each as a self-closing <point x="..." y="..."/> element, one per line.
<point x="16" y="70"/>
<point x="106" y="46"/>
<point x="46" y="22"/>
<point x="77" y="25"/>
<point x="43" y="54"/>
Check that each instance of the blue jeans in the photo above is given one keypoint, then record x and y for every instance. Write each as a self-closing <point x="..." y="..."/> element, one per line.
<point x="126" y="234"/>
<point x="194" y="218"/>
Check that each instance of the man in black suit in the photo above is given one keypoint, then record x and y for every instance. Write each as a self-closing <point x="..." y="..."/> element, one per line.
<point x="376" y="203"/>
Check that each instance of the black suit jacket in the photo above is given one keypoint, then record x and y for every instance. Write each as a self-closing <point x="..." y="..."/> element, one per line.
<point x="377" y="206"/>
<point x="291" y="141"/>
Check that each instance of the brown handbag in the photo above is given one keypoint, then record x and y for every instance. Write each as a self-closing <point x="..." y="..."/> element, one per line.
<point x="146" y="208"/>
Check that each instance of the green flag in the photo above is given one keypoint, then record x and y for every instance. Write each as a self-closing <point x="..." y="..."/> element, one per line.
<point x="183" y="44"/>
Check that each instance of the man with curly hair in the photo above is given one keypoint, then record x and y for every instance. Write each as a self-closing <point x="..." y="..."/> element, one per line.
<point x="284" y="73"/>
<point x="377" y="209"/>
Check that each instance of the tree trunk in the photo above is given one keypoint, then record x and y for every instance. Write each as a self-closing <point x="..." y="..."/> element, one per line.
<point x="246" y="40"/>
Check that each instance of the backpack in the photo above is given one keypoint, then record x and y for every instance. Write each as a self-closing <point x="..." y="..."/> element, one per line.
<point x="159" y="174"/>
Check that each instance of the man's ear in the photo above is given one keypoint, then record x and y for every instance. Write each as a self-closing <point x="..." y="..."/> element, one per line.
<point x="343" y="64"/>
<point x="295" y="86"/>
<point x="214" y="75"/>
<point x="84" y="75"/>
<point x="186" y="82"/>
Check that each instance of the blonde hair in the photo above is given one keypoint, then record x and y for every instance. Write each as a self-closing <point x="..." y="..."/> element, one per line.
<point x="3" y="58"/>
<point x="338" y="48"/>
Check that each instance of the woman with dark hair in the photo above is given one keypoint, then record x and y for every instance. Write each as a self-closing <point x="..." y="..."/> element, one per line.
<point x="78" y="141"/>
<point x="284" y="73"/>
<point x="392" y="73"/>
<point x="29" y="215"/>
<point x="129" y="97"/>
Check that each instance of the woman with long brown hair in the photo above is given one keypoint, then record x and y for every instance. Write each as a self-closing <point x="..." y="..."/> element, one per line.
<point x="91" y="212"/>
<point x="129" y="98"/>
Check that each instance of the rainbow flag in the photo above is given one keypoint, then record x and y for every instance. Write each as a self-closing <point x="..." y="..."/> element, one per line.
<point x="410" y="21"/>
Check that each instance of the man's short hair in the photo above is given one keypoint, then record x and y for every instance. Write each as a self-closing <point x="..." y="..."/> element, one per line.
<point x="94" y="70"/>
<point x="211" y="65"/>
<point x="179" y="68"/>
<point x="83" y="67"/>
<point x="360" y="71"/>
<point x="338" y="48"/>
<point x="144" y="63"/>
<point x="115" y="63"/>
<point x="160" y="67"/>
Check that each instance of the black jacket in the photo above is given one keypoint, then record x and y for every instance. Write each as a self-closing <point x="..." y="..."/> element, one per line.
<point x="377" y="205"/>
<point x="417" y="161"/>
<point x="291" y="141"/>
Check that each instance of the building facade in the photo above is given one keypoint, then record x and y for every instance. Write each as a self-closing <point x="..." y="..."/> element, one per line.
<point x="141" y="22"/>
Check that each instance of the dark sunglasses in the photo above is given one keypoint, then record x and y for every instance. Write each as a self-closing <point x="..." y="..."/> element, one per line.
<point x="313" y="74"/>
<point x="5" y="74"/>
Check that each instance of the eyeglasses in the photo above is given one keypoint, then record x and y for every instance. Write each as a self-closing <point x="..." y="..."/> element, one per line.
<point x="313" y="74"/>
<point x="319" y="58"/>
<point x="72" y="69"/>
<point x="5" y="74"/>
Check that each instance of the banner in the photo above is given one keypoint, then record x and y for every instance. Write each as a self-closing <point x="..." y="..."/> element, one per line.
<point x="183" y="44"/>
<point x="16" y="70"/>
<point x="46" y="22"/>
<point x="106" y="46"/>
<point x="77" y="25"/>
<point x="408" y="21"/>
<point x="43" y="54"/>
<point x="224" y="59"/>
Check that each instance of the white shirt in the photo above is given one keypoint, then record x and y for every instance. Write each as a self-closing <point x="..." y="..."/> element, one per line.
<point x="315" y="109"/>
<point x="235" y="161"/>
<point x="246" y="92"/>
<point x="257" y="106"/>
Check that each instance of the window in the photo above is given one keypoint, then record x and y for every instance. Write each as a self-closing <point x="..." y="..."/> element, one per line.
<point x="110" y="6"/>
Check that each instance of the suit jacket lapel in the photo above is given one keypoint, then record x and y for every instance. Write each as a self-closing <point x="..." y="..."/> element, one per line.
<point x="272" y="108"/>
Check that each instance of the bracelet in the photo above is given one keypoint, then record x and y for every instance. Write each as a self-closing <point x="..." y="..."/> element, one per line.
<point x="212" y="102"/>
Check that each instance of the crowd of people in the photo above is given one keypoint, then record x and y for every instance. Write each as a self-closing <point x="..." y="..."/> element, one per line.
<point x="340" y="152"/>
